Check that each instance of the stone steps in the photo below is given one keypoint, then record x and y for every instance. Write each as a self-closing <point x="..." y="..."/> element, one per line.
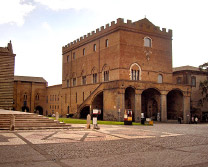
<point x="30" y="121"/>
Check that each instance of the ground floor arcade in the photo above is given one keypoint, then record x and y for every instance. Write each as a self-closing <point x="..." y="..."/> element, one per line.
<point x="160" y="102"/>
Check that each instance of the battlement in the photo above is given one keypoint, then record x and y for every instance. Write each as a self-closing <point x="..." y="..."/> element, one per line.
<point x="7" y="49"/>
<point x="142" y="25"/>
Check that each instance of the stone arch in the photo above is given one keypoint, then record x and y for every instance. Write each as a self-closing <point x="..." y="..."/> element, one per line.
<point x="174" y="104"/>
<point x="97" y="103"/>
<point x="135" y="67"/>
<point x="84" y="112"/>
<point x="39" y="110"/>
<point x="151" y="101"/>
<point x="25" y="108"/>
<point x="130" y="100"/>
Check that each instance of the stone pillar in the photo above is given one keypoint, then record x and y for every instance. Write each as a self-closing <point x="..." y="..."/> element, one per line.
<point x="12" y="122"/>
<point x="121" y="104"/>
<point x="186" y="109"/>
<point x="88" y="121"/>
<point x="164" y="106"/>
<point x="57" y="116"/>
<point x="138" y="105"/>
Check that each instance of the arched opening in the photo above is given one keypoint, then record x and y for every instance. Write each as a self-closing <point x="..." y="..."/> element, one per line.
<point x="151" y="104"/>
<point x="98" y="104"/>
<point x="174" y="105"/>
<point x="130" y="100"/>
<point x="84" y="112"/>
<point x="25" y="108"/>
<point x="39" y="110"/>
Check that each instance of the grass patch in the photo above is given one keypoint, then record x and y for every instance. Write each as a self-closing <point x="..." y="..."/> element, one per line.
<point x="82" y="121"/>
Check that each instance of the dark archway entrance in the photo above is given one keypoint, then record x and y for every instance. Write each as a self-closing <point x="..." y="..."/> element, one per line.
<point x="151" y="104"/>
<point x="84" y="112"/>
<point x="174" y="105"/>
<point x="25" y="108"/>
<point x="39" y="110"/>
<point x="98" y="104"/>
<point x="130" y="100"/>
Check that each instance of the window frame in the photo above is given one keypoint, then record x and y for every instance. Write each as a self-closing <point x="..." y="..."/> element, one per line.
<point x="149" y="43"/>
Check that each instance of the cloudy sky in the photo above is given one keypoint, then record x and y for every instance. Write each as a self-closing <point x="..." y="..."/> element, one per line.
<point x="39" y="28"/>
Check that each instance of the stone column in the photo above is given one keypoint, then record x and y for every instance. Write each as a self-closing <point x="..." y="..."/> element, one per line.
<point x="138" y="105"/>
<point x="186" y="109"/>
<point x="12" y="122"/>
<point x="121" y="104"/>
<point x="163" y="106"/>
<point x="57" y="116"/>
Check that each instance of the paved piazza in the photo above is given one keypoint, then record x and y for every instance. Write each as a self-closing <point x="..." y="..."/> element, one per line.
<point x="158" y="145"/>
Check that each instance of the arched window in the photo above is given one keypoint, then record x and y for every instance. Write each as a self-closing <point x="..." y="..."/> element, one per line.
<point x="160" y="79"/>
<point x="147" y="42"/>
<point x="193" y="81"/>
<point x="135" y="72"/>
<point x="94" y="75"/>
<point x="105" y="73"/>
<point x="179" y="80"/>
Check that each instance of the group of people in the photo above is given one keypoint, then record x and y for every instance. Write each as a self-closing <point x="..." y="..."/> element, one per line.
<point x="194" y="119"/>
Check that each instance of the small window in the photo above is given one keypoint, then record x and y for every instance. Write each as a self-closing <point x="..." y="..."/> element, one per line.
<point x="147" y="42"/>
<point x="95" y="78"/>
<point x="25" y="96"/>
<point x="135" y="75"/>
<point x="193" y="81"/>
<point x="106" y="43"/>
<point x="94" y="47"/>
<point x="179" y="80"/>
<point x="74" y="81"/>
<point x="76" y="97"/>
<point x="68" y="109"/>
<point x="84" y="80"/>
<point x="84" y="52"/>
<point x="74" y="55"/>
<point x="160" y="79"/>
<point x="37" y="96"/>
<point x="67" y="84"/>
<point x="67" y="58"/>
<point x="106" y="76"/>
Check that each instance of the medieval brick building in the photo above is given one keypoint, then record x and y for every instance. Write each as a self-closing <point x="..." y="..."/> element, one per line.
<point x="123" y="66"/>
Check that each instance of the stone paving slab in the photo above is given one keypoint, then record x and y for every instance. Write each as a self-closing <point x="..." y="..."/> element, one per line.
<point x="158" y="145"/>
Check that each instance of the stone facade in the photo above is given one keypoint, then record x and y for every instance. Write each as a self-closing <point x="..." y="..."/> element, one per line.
<point x="7" y="62"/>
<point x="188" y="75"/>
<point x="30" y="94"/>
<point x="123" y="66"/>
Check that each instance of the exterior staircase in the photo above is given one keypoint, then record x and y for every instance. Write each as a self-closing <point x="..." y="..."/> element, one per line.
<point x="30" y="121"/>
<point x="88" y="100"/>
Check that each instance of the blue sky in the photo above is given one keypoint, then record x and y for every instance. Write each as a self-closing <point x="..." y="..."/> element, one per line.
<point x="39" y="28"/>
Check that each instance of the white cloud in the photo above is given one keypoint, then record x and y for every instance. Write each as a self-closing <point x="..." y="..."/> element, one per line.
<point x="65" y="4"/>
<point x="47" y="27"/>
<point x="14" y="11"/>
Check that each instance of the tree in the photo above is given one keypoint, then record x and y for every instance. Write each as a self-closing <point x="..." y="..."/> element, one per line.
<point x="204" y="85"/>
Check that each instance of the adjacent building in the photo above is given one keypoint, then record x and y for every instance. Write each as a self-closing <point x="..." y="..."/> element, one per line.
<point x="188" y="75"/>
<point x="7" y="63"/>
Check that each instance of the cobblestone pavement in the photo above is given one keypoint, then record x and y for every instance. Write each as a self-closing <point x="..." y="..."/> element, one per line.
<point x="158" y="145"/>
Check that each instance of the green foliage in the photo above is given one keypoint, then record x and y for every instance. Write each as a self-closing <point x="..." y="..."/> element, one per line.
<point x="83" y="121"/>
<point x="203" y="85"/>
